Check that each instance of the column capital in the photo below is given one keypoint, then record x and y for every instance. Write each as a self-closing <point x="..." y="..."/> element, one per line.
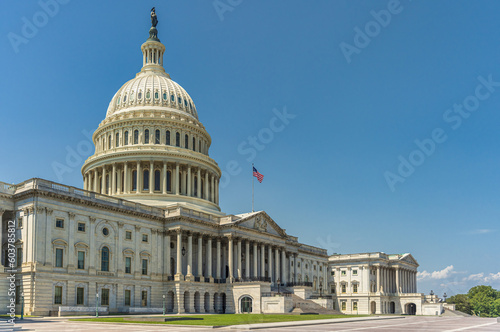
<point x="120" y="224"/>
<point x="178" y="231"/>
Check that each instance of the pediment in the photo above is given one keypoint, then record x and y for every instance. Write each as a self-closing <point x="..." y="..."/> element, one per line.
<point x="409" y="259"/>
<point x="260" y="221"/>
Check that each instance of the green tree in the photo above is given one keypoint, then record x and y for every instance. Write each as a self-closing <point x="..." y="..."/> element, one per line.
<point x="461" y="302"/>
<point x="482" y="300"/>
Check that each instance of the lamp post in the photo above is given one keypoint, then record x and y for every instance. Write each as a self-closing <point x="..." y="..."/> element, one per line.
<point x="22" y="305"/>
<point x="445" y="296"/>
<point x="163" y="304"/>
<point x="320" y="289"/>
<point x="278" y="281"/>
<point x="97" y="305"/>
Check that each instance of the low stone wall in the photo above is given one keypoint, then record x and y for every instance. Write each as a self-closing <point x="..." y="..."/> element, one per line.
<point x="276" y="304"/>
<point x="325" y="303"/>
<point x="142" y="310"/>
<point x="80" y="310"/>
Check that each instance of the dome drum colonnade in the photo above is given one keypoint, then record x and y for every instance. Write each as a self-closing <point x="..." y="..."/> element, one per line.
<point x="151" y="147"/>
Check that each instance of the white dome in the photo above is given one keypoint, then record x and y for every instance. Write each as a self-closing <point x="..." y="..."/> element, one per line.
<point x="154" y="89"/>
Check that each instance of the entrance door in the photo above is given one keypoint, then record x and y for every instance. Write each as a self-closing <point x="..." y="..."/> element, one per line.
<point x="246" y="305"/>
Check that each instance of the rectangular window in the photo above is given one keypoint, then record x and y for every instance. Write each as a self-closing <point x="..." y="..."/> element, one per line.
<point x="333" y="290"/>
<point x="354" y="272"/>
<point x="343" y="272"/>
<point x="58" y="295"/>
<point x="20" y="222"/>
<point x="355" y="306"/>
<point x="105" y="296"/>
<point x="144" y="298"/>
<point x="144" y="238"/>
<point x="79" y="295"/>
<point x="127" y="297"/>
<point x="344" y="306"/>
<point x="128" y="235"/>
<point x="128" y="264"/>
<point x="355" y="288"/>
<point x="19" y="258"/>
<point x="59" y="223"/>
<point x="333" y="273"/>
<point x="144" y="266"/>
<point x="343" y="288"/>
<point x="81" y="260"/>
<point x="59" y="257"/>
<point x="81" y="227"/>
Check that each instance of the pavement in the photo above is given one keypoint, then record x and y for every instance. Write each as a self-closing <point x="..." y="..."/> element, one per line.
<point x="367" y="324"/>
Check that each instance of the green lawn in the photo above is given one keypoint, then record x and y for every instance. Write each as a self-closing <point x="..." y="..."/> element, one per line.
<point x="217" y="320"/>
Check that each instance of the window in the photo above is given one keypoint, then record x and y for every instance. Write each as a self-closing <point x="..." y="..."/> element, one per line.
<point x="156" y="94"/>
<point x="145" y="180"/>
<point x="109" y="142"/>
<point x="354" y="272"/>
<point x="58" y="295"/>
<point x="125" y="139"/>
<point x="80" y="295"/>
<point x="186" y="141"/>
<point x="169" y="181"/>
<point x="146" y="136"/>
<point x="148" y="94"/>
<point x="355" y="306"/>
<point x="105" y="231"/>
<point x="333" y="273"/>
<point x="144" y="238"/>
<point x="81" y="227"/>
<point x="117" y="140"/>
<point x="355" y="288"/>
<point x="194" y="144"/>
<point x="177" y="139"/>
<point x="343" y="288"/>
<point x="164" y="96"/>
<point x="199" y="146"/>
<point x="144" y="267"/>
<point x="19" y="259"/>
<point x="157" y="136"/>
<point x="134" y="180"/>
<point x="128" y="235"/>
<point x="167" y="137"/>
<point x="128" y="265"/>
<point x="343" y="272"/>
<point x="321" y="268"/>
<point x="136" y="136"/>
<point x="157" y="180"/>
<point x="179" y="100"/>
<point x="314" y="267"/>
<point x="105" y="259"/>
<point x="127" y="297"/>
<point x="20" y="222"/>
<point x="344" y="306"/>
<point x="172" y="98"/>
<point x="105" y="296"/>
<point x="81" y="260"/>
<point x="59" y="257"/>
<point x="144" y="298"/>
<point x="333" y="289"/>
<point x="60" y="223"/>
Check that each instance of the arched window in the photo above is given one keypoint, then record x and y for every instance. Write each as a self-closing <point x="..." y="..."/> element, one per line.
<point x="109" y="142"/>
<point x="157" y="136"/>
<point x="145" y="180"/>
<point x="195" y="186"/>
<point x="134" y="180"/>
<point x="157" y="180"/>
<point x="105" y="259"/>
<point x="125" y="138"/>
<point x="177" y="139"/>
<point x="146" y="136"/>
<point x="169" y="181"/>
<point x="117" y="139"/>
<point x="106" y="189"/>
<point x="167" y="137"/>
<point x="186" y="141"/>
<point x="194" y="144"/>
<point x="199" y="145"/>
<point x="136" y="136"/>
<point x="246" y="304"/>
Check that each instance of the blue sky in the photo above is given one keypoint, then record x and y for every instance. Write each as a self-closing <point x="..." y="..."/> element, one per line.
<point x="357" y="104"/>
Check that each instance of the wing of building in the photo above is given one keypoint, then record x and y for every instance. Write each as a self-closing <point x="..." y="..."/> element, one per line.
<point x="146" y="233"/>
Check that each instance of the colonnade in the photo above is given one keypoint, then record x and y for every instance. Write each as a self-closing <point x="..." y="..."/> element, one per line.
<point x="153" y="177"/>
<point x="396" y="280"/>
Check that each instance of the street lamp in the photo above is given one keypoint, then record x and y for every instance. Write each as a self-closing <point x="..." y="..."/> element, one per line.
<point x="279" y="282"/>
<point x="183" y="251"/>
<point x="445" y="296"/>
<point x="22" y="305"/>
<point x="163" y="304"/>
<point x="320" y="289"/>
<point x="97" y="305"/>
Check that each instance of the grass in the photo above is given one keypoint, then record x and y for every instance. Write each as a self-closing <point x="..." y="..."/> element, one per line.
<point x="218" y="320"/>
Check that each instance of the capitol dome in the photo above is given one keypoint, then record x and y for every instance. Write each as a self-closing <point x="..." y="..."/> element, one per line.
<point x="151" y="147"/>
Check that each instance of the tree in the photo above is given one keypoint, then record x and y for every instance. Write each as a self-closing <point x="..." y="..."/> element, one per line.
<point x="482" y="299"/>
<point x="461" y="302"/>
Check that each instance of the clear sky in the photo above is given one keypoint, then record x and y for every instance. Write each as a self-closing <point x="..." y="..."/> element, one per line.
<point x="391" y="142"/>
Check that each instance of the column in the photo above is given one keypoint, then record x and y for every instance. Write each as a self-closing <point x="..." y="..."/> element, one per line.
<point x="230" y="258"/>
<point x="113" y="180"/>
<point x="183" y="189"/>
<point x="177" y="178"/>
<point x="96" y="177"/>
<point x="125" y="178"/>
<point x="209" y="254"/>
<point x="217" y="273"/>
<point x="103" y="181"/>
<point x="217" y="191"/>
<point x="188" y="193"/>
<point x="284" y="278"/>
<point x="190" y="256"/>
<point x="198" y="189"/>
<point x="247" y="259"/>
<point x="262" y="260"/>
<point x="212" y="189"/>
<point x="151" y="177"/>
<point x="270" y="263"/>
<point x="397" y="280"/>
<point x="167" y="253"/>
<point x="138" y="177"/>
<point x="200" y="256"/>
<point x="178" y="274"/>
<point x="118" y="181"/>
<point x="378" y="278"/>
<point x="238" y="257"/>
<point x="255" y="254"/>
<point x="294" y="267"/>
<point x="206" y="185"/>
<point x="277" y="263"/>
<point x="164" y="177"/>
<point x="1" y="240"/>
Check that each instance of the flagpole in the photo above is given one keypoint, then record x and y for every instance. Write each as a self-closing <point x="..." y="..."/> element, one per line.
<point x="252" y="188"/>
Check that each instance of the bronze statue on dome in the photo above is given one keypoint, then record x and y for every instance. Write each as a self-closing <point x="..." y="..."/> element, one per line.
<point x="154" y="19"/>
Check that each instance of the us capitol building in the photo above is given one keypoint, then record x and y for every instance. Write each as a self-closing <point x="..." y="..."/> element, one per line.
<point x="146" y="231"/>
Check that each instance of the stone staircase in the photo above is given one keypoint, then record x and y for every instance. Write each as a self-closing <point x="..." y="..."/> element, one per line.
<point x="448" y="312"/>
<point x="303" y="306"/>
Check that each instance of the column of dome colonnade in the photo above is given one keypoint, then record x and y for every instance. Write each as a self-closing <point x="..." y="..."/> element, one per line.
<point x="214" y="252"/>
<point x="151" y="148"/>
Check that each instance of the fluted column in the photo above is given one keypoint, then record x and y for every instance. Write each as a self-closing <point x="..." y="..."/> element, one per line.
<point x="198" y="189"/>
<point x="270" y="263"/>
<point x="96" y="178"/>
<point x="164" y="177"/>
<point x="200" y="256"/>
<point x="177" y="178"/>
<point x="125" y="178"/>
<point x="103" y="181"/>
<point x="113" y="180"/>
<point x="138" y="180"/>
<point x="262" y="260"/>
<point x="284" y="277"/>
<point x="238" y="257"/>
<point x="206" y="185"/>
<point x="230" y="258"/>
<point x="295" y="268"/>
<point x="217" y="191"/>
<point x="247" y="259"/>
<point x="190" y="256"/>
<point x="209" y="257"/>
<point x="151" y="177"/>
<point x="178" y="275"/>
<point x="167" y="254"/>
<point x="217" y="273"/>
<point x="277" y="263"/>
<point x="212" y="189"/>
<point x="378" y="278"/>
<point x="188" y="193"/>
<point x="255" y="260"/>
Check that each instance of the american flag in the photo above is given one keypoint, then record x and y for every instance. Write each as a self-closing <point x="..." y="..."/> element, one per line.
<point x="259" y="176"/>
